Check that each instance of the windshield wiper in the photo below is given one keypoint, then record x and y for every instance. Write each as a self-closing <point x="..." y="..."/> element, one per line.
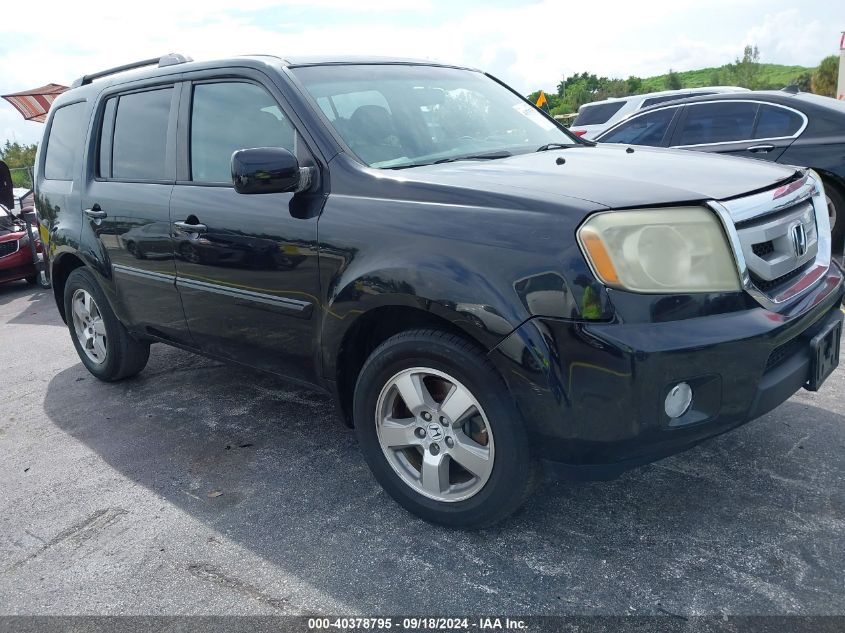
<point x="487" y="156"/>
<point x="548" y="146"/>
<point x="452" y="159"/>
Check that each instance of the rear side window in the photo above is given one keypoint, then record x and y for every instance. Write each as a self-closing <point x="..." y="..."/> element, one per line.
<point x="227" y="117"/>
<point x="65" y="141"/>
<point x="718" y="123"/>
<point x="666" y="98"/>
<point x="645" y="129"/>
<point x="774" y="122"/>
<point x="140" y="135"/>
<point x="655" y="100"/>
<point x="597" y="114"/>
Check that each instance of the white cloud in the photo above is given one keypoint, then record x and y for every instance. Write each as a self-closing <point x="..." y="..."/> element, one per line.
<point x="788" y="37"/>
<point x="530" y="45"/>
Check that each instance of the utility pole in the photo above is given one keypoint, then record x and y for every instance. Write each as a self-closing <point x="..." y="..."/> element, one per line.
<point x="840" y="85"/>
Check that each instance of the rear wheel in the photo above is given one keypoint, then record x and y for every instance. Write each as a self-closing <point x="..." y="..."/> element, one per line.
<point x="439" y="431"/>
<point x="106" y="349"/>
<point x="32" y="280"/>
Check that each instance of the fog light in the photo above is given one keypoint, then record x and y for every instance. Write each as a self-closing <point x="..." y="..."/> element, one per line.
<point x="678" y="400"/>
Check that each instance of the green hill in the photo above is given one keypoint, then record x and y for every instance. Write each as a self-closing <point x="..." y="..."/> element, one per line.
<point x="579" y="88"/>
<point x="771" y="76"/>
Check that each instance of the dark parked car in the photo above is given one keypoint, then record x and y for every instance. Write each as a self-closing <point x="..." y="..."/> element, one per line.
<point x="480" y="290"/>
<point x="791" y="128"/>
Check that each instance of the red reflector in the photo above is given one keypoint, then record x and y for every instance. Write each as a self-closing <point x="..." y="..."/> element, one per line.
<point x="785" y="190"/>
<point x="578" y="132"/>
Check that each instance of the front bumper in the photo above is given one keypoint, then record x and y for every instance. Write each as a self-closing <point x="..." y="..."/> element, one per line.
<point x="592" y="393"/>
<point x="16" y="266"/>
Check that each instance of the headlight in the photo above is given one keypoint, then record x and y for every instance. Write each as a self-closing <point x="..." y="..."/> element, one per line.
<point x="679" y="249"/>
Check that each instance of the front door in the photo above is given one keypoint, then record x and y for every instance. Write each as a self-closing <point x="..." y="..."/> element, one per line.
<point x="246" y="264"/>
<point x="127" y="207"/>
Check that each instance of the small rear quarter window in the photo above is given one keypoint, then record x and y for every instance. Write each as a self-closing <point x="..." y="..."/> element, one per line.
<point x="64" y="144"/>
<point x="774" y="122"/>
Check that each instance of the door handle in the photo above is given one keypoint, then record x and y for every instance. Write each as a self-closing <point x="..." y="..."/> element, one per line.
<point x="761" y="149"/>
<point x="96" y="213"/>
<point x="191" y="228"/>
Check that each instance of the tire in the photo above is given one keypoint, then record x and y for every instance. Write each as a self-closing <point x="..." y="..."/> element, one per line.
<point x="32" y="280"/>
<point x="118" y="355"/>
<point x="837" y="214"/>
<point x="444" y="362"/>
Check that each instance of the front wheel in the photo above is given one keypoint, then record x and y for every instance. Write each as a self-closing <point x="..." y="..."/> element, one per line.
<point x="836" y="214"/>
<point x="439" y="432"/>
<point x="106" y="349"/>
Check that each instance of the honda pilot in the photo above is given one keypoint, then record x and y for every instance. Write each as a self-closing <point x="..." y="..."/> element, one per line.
<point x="481" y="291"/>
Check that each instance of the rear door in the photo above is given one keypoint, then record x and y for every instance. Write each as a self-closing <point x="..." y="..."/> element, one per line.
<point x="248" y="276"/>
<point x="741" y="128"/>
<point x="127" y="206"/>
<point x="58" y="199"/>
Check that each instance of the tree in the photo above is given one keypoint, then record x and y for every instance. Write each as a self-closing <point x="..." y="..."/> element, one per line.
<point x="20" y="158"/>
<point x="746" y="71"/>
<point x="804" y="81"/>
<point x="673" y="81"/>
<point x="635" y="84"/>
<point x="825" y="77"/>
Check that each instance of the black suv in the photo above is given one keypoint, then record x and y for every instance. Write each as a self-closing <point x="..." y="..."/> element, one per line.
<point x="481" y="290"/>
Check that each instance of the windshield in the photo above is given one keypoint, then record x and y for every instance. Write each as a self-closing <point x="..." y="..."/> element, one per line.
<point x="395" y="116"/>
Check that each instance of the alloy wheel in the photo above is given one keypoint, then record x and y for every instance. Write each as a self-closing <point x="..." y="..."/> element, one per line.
<point x="435" y="434"/>
<point x="89" y="326"/>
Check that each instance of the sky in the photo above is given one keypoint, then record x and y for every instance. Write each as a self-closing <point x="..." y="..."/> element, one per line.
<point x="530" y="44"/>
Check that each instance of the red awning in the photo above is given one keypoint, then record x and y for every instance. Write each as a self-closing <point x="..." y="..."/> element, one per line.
<point x="34" y="104"/>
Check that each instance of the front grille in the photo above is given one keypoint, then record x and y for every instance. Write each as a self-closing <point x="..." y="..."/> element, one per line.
<point x="9" y="247"/>
<point x="783" y="352"/>
<point x="763" y="248"/>
<point x="769" y="245"/>
<point x="768" y="285"/>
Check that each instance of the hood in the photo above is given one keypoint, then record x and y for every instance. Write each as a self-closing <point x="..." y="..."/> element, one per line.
<point x="610" y="175"/>
<point x="7" y="234"/>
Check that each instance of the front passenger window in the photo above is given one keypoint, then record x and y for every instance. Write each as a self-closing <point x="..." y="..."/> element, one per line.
<point x="230" y="116"/>
<point x="646" y="129"/>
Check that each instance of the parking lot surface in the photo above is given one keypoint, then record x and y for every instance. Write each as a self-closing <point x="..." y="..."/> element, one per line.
<point x="199" y="488"/>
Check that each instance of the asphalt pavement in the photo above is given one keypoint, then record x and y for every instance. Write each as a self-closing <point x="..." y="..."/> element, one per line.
<point x="199" y="488"/>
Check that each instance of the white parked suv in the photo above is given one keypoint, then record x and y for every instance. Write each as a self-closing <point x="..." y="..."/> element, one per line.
<point x="594" y="118"/>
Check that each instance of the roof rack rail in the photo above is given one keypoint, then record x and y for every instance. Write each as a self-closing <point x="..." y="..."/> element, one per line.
<point x="171" y="59"/>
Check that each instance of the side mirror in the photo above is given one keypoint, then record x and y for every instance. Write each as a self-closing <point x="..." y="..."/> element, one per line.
<point x="265" y="170"/>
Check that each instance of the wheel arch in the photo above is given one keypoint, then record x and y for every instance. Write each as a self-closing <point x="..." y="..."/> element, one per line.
<point x="831" y="178"/>
<point x="370" y="329"/>
<point x="61" y="267"/>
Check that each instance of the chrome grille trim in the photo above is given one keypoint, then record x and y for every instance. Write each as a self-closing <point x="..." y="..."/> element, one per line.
<point x="777" y="229"/>
<point x="757" y="208"/>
